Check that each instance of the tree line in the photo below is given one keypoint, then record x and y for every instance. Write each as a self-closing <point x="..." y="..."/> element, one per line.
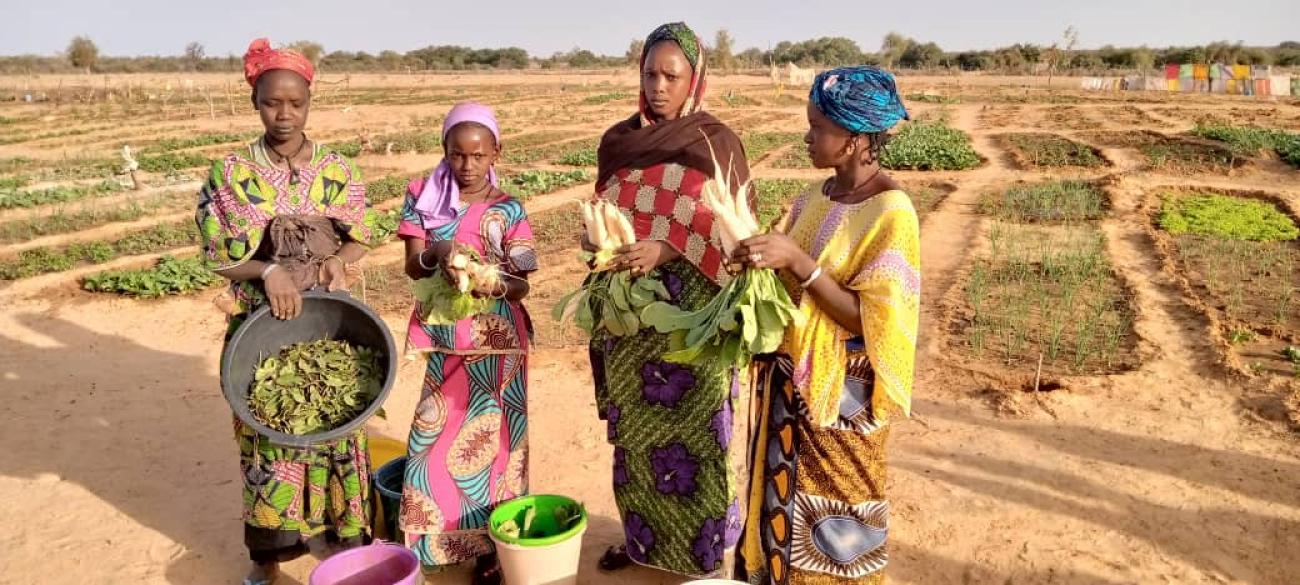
<point x="896" y="52"/>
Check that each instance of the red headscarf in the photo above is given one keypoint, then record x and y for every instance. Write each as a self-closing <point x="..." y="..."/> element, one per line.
<point x="261" y="58"/>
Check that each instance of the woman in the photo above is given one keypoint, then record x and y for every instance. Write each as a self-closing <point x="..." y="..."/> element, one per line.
<point x="284" y="215"/>
<point x="468" y="447"/>
<point x="670" y="424"/>
<point x="848" y="253"/>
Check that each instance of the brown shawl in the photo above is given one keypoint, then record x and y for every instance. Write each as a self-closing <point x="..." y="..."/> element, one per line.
<point x="629" y="145"/>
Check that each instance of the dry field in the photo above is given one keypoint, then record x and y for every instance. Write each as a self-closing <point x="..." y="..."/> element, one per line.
<point x="1104" y="394"/>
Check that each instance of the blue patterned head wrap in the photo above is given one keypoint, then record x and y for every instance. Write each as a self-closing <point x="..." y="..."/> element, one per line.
<point x="862" y="100"/>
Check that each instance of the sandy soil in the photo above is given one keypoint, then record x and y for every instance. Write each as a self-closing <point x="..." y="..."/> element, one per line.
<point x="122" y="469"/>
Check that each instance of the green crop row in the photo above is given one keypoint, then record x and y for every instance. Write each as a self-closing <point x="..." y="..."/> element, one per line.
<point x="1251" y="140"/>
<point x="13" y="198"/>
<point x="533" y="183"/>
<point x="57" y="259"/>
<point x="169" y="276"/>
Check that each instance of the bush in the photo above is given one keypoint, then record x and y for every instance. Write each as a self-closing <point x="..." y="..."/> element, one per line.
<point x="1231" y="218"/>
<point x="930" y="146"/>
<point x="1251" y="140"/>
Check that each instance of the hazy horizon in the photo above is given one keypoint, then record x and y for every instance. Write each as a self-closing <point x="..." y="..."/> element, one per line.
<point x="158" y="27"/>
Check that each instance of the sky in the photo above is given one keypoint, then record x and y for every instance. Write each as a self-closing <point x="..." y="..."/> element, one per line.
<point x="164" y="27"/>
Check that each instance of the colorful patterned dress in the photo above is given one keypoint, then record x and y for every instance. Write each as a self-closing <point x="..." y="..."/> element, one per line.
<point x="291" y="495"/>
<point x="671" y="425"/>
<point x="468" y="447"/>
<point x="818" y="512"/>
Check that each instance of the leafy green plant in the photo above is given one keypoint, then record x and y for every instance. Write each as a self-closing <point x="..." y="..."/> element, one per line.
<point x="1052" y="201"/>
<point x="172" y="161"/>
<point x="386" y="189"/>
<point x="1251" y="140"/>
<point x="314" y="386"/>
<point x="1240" y="336"/>
<point x="349" y="149"/>
<point x="1050" y="150"/>
<point x="169" y="276"/>
<point x="13" y="198"/>
<point x="57" y="259"/>
<point x="532" y="183"/>
<point x="418" y="141"/>
<point x="1233" y="218"/>
<point x="930" y="146"/>
<point x="169" y="144"/>
<point x="582" y="157"/>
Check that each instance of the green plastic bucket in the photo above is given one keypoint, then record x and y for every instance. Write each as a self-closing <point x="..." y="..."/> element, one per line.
<point x="544" y="550"/>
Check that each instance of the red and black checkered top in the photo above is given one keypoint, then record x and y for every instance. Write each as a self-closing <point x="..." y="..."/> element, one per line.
<point x="664" y="204"/>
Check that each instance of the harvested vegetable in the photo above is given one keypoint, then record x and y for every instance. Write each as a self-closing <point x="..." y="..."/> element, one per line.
<point x="314" y="386"/>
<point x="566" y="517"/>
<point x="609" y="300"/>
<point x="750" y="315"/>
<point x="612" y="301"/>
<point x="443" y="304"/>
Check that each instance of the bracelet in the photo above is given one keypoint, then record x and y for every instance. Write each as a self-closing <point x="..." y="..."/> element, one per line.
<point x="811" y="278"/>
<point x="420" y="260"/>
<point x="270" y="267"/>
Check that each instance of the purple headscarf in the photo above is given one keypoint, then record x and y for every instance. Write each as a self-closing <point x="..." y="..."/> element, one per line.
<point x="439" y="201"/>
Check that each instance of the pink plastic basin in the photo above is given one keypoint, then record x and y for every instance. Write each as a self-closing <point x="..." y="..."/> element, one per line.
<point x="377" y="564"/>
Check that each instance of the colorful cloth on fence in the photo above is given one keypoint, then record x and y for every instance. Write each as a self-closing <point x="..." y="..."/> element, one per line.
<point x="873" y="248"/>
<point x="862" y="100"/>
<point x="499" y="232"/>
<point x="1259" y="72"/>
<point x="468" y="447"/>
<point x="305" y="492"/>
<point x="1155" y="84"/>
<point x="245" y="191"/>
<point x="439" y="199"/>
<point x="261" y="58"/>
<point x="467" y="452"/>
<point x="819" y="513"/>
<point x="1171" y="71"/>
<point x="689" y="42"/>
<point x="671" y="427"/>
<point x="1201" y="72"/>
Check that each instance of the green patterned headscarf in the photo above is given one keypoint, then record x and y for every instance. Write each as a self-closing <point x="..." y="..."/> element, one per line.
<point x="691" y="46"/>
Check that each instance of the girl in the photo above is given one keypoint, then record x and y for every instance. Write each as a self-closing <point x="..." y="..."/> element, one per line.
<point x="468" y="447"/>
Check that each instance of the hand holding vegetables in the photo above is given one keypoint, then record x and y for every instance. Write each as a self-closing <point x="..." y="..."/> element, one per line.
<point x="773" y="250"/>
<point x="749" y="316"/>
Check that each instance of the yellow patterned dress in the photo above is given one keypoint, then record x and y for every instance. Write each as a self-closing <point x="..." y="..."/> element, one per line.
<point x="818" y="512"/>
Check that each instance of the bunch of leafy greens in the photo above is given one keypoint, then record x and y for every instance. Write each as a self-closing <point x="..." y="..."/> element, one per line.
<point x="748" y="318"/>
<point x="441" y="303"/>
<point x="314" y="386"/>
<point x="612" y="301"/>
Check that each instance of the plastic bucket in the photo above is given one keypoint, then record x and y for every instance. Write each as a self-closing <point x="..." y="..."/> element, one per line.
<point x="548" y="553"/>
<point x="388" y="484"/>
<point x="381" y="563"/>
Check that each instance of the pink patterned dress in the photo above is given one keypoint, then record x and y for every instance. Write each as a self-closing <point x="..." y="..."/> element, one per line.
<point x="468" y="447"/>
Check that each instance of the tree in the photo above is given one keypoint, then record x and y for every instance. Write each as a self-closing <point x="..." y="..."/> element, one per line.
<point x="634" y="51"/>
<point x="893" y="47"/>
<point x="313" y="51"/>
<point x="722" y="57"/>
<point x="1144" y="60"/>
<point x="921" y="56"/>
<point x="194" y="55"/>
<point x="83" y="53"/>
<point x="1060" y="55"/>
<point x="751" y="58"/>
